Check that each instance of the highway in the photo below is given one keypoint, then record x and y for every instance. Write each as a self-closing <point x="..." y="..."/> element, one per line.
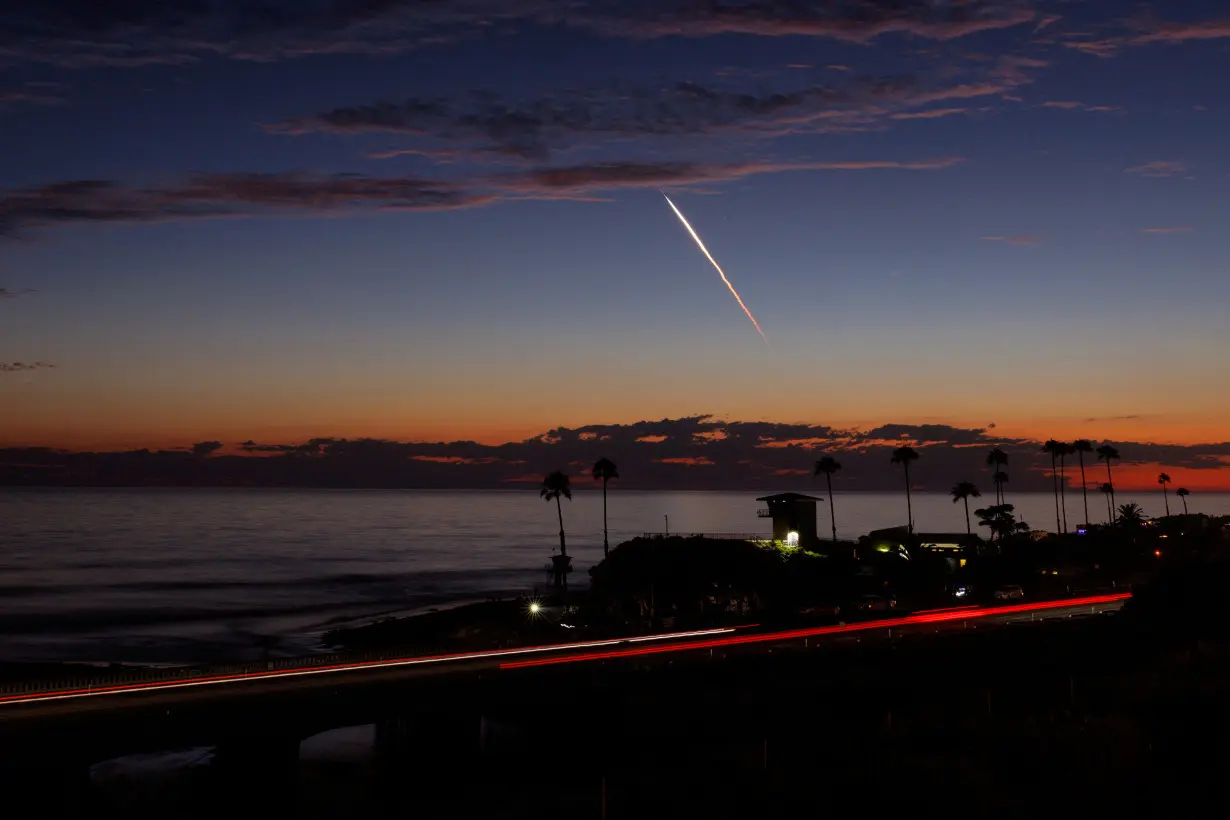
<point x="49" y="701"/>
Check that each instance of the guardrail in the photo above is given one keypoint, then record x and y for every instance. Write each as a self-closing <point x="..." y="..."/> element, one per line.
<point x="177" y="673"/>
<point x="172" y="674"/>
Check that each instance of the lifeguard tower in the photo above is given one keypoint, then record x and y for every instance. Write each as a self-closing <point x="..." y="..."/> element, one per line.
<point x="794" y="518"/>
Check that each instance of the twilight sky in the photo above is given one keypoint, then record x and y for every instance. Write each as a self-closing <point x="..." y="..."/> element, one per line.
<point x="290" y="218"/>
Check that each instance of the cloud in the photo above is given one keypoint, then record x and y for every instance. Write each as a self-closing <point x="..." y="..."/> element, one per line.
<point x="533" y="128"/>
<point x="855" y="22"/>
<point x="223" y="195"/>
<point x="1073" y="105"/>
<point x="1022" y="240"/>
<point x="1147" y="30"/>
<point x="31" y="94"/>
<point x="5" y="293"/>
<point x="484" y="125"/>
<point x="750" y="456"/>
<point x="152" y="32"/>
<point x="1177" y="229"/>
<point x="1160" y="168"/>
<point x="21" y="367"/>
<point x="610" y="175"/>
<point x="932" y="114"/>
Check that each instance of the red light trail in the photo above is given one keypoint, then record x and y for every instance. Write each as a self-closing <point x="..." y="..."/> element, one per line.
<point x="247" y="677"/>
<point x="708" y="640"/>
<point x="932" y="617"/>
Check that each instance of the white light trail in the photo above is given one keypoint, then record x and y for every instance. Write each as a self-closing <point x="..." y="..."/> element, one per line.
<point x="249" y="677"/>
<point x="718" y="267"/>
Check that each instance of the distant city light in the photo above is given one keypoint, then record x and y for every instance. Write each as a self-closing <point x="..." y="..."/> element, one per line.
<point x="792" y="539"/>
<point x="535" y="608"/>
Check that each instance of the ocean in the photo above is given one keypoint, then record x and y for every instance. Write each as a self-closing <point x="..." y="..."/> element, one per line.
<point x="206" y="575"/>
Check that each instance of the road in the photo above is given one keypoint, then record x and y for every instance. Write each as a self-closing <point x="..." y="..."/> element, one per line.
<point x="309" y="675"/>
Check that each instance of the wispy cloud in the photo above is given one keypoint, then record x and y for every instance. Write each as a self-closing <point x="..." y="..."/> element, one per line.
<point x="1178" y="229"/>
<point x="31" y="94"/>
<point x="151" y="32"/>
<point x="483" y="125"/>
<point x="932" y="114"/>
<point x="1074" y="105"/>
<point x="232" y="195"/>
<point x="6" y="293"/>
<point x="610" y="175"/>
<point x="22" y="367"/>
<point x="1022" y="240"/>
<point x="1146" y="30"/>
<point x="223" y="195"/>
<point x="1161" y="168"/>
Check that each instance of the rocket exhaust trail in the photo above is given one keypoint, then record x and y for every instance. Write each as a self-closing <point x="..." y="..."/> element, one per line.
<point x="718" y="267"/>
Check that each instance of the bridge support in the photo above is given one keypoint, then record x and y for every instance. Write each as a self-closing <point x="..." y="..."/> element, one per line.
<point x="415" y="755"/>
<point x="260" y="769"/>
<point x="57" y="784"/>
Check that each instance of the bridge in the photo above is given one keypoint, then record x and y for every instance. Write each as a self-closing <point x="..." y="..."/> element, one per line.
<point x="256" y="715"/>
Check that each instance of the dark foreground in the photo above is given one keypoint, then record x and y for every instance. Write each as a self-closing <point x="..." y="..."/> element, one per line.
<point x="1093" y="717"/>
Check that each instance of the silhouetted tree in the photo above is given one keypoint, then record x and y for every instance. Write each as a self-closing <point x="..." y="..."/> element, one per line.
<point x="1131" y="515"/>
<point x="997" y="459"/>
<point x="555" y="486"/>
<point x="1065" y="450"/>
<point x="1108" y="454"/>
<point x="1183" y="493"/>
<point x="962" y="491"/>
<point x="205" y="449"/>
<point x="604" y="471"/>
<point x="1108" y="491"/>
<point x="999" y="519"/>
<point x="828" y="465"/>
<point x="1054" y="448"/>
<point x="1164" y="480"/>
<point x="1000" y="479"/>
<point x="1082" y="446"/>
<point x="903" y="456"/>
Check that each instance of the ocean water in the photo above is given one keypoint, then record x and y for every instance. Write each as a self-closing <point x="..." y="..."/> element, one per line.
<point x="203" y="575"/>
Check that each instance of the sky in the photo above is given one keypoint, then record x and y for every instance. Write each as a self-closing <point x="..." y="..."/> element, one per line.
<point x="268" y="221"/>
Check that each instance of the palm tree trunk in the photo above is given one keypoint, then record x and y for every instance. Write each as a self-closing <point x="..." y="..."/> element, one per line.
<point x="606" y="550"/>
<point x="563" y="548"/>
<point x="1111" y="482"/>
<point x="909" y="507"/>
<point x="1184" y="500"/>
<point x="968" y="531"/>
<point x="1084" y="486"/>
<point x="1063" y="494"/>
<point x="1110" y="511"/>
<point x="1166" y="498"/>
<point x="828" y="479"/>
<point x="1055" y="485"/>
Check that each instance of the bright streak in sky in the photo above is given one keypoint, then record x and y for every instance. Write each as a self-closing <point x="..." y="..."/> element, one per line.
<point x="721" y="273"/>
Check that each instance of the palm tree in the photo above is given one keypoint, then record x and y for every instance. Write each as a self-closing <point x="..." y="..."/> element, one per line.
<point x="1108" y="454"/>
<point x="1000" y="479"/>
<point x="604" y="471"/>
<point x="962" y="491"/>
<point x="1065" y="450"/>
<point x="1164" y="479"/>
<point x="903" y="456"/>
<point x="829" y="465"/>
<point x="1183" y="493"/>
<point x="1131" y="515"/>
<point x="1054" y="448"/>
<point x="1082" y="446"/>
<point x="996" y="460"/>
<point x="1108" y="491"/>
<point x="553" y="486"/>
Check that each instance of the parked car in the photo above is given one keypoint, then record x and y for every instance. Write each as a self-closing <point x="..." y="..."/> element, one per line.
<point x="875" y="603"/>
<point x="1009" y="592"/>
